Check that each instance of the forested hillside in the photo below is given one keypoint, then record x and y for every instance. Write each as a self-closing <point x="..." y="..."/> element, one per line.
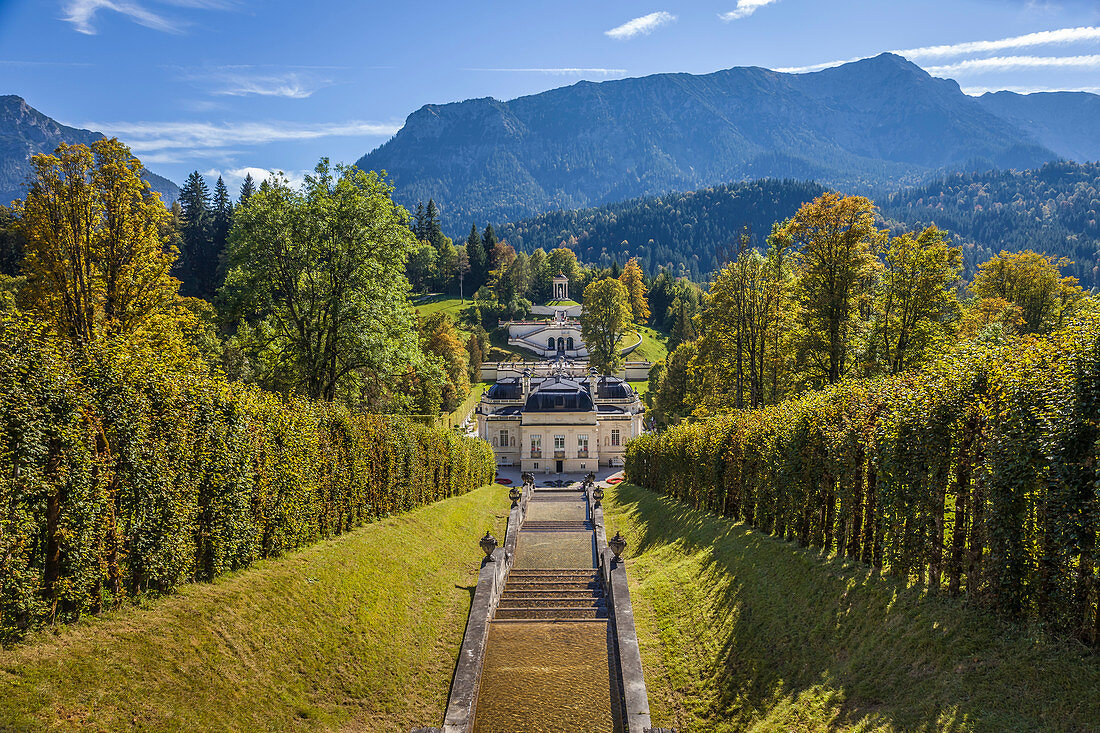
<point x="681" y="231"/>
<point x="1053" y="210"/>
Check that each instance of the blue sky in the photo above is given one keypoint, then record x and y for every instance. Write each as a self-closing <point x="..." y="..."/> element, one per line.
<point x="224" y="86"/>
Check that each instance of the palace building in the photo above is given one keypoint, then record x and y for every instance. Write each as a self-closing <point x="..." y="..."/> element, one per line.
<point x="559" y="423"/>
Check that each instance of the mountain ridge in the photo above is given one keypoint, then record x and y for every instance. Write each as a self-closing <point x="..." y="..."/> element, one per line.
<point x="874" y="122"/>
<point x="26" y="131"/>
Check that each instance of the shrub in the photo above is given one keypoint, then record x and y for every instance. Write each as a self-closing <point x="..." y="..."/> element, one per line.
<point x="121" y="477"/>
<point x="977" y="476"/>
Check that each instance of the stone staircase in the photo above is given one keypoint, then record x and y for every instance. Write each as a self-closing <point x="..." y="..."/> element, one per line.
<point x="545" y="595"/>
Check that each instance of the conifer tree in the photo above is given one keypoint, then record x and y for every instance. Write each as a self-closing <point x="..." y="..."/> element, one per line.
<point x="198" y="263"/>
<point x="247" y="189"/>
<point x="478" y="259"/>
<point x="489" y="242"/>
<point x="222" y="222"/>
<point x="418" y="227"/>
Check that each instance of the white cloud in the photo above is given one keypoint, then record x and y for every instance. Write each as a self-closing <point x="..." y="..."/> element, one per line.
<point x="1042" y="38"/>
<point x="642" y="26"/>
<point x="1008" y="63"/>
<point x="744" y="9"/>
<point x="81" y="13"/>
<point x="163" y="137"/>
<point x="978" y="91"/>
<point x="1061" y="36"/>
<point x="233" y="177"/>
<point x="562" y="71"/>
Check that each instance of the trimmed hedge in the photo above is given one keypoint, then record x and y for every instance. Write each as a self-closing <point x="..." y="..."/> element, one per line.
<point x="977" y="476"/>
<point x="120" y="480"/>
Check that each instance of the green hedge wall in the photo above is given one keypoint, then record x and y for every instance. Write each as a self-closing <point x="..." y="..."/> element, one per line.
<point x="120" y="480"/>
<point x="977" y="476"/>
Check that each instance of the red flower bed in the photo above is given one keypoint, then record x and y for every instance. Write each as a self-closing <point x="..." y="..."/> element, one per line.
<point x="504" y="481"/>
<point x="615" y="480"/>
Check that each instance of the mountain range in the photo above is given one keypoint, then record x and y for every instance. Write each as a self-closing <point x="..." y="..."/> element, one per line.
<point x="870" y="125"/>
<point x="24" y="131"/>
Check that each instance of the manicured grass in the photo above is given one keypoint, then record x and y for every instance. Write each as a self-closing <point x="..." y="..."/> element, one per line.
<point x="651" y="349"/>
<point x="358" y="633"/>
<point x="454" y="307"/>
<point x="742" y="631"/>
<point x="562" y="303"/>
<point x="640" y="387"/>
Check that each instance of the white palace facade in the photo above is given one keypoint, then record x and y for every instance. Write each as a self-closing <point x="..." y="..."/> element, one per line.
<point x="559" y="423"/>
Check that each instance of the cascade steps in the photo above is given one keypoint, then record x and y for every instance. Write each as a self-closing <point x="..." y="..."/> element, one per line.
<point x="552" y="594"/>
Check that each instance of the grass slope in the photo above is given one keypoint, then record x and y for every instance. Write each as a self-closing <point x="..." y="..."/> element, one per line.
<point x="358" y="633"/>
<point x="741" y="631"/>
<point x="653" y="347"/>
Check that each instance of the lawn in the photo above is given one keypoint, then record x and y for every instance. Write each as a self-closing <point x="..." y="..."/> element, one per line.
<point x="652" y="348"/>
<point x="357" y="633"/>
<point x="742" y="631"/>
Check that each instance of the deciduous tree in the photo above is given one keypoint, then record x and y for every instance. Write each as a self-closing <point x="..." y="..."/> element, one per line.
<point x="634" y="281"/>
<point x="605" y="317"/>
<point x="918" y="299"/>
<point x="835" y="239"/>
<point x="97" y="254"/>
<point x="1034" y="283"/>
<point x="319" y="273"/>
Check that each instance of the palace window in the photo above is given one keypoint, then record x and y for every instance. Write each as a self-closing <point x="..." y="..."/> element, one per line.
<point x="559" y="442"/>
<point x="615" y="437"/>
<point x="582" y="443"/>
<point x="536" y="445"/>
<point x="503" y="438"/>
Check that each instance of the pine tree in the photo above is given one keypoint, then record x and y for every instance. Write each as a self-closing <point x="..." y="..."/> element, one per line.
<point x="222" y="223"/>
<point x="478" y="259"/>
<point x="489" y="242"/>
<point x="195" y="266"/>
<point x="418" y="222"/>
<point x="247" y="189"/>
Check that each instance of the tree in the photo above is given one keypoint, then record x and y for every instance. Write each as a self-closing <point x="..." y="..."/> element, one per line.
<point x="11" y="242"/>
<point x="675" y="389"/>
<point x="917" y="298"/>
<point x="198" y="263"/>
<point x="421" y="267"/>
<point x="539" y="279"/>
<point x="247" y="189"/>
<point x="97" y="258"/>
<point x="439" y="338"/>
<point x="462" y="269"/>
<point x="835" y="239"/>
<point x="489" y="242"/>
<point x="604" y="319"/>
<point x="475" y="353"/>
<point x="479" y="260"/>
<point x="319" y="276"/>
<point x="634" y="281"/>
<point x="221" y="222"/>
<point x="682" y="315"/>
<point x="562" y="260"/>
<point x="661" y="294"/>
<point x="1034" y="283"/>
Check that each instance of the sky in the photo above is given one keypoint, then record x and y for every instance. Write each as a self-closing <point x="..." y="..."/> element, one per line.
<point x="234" y="86"/>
